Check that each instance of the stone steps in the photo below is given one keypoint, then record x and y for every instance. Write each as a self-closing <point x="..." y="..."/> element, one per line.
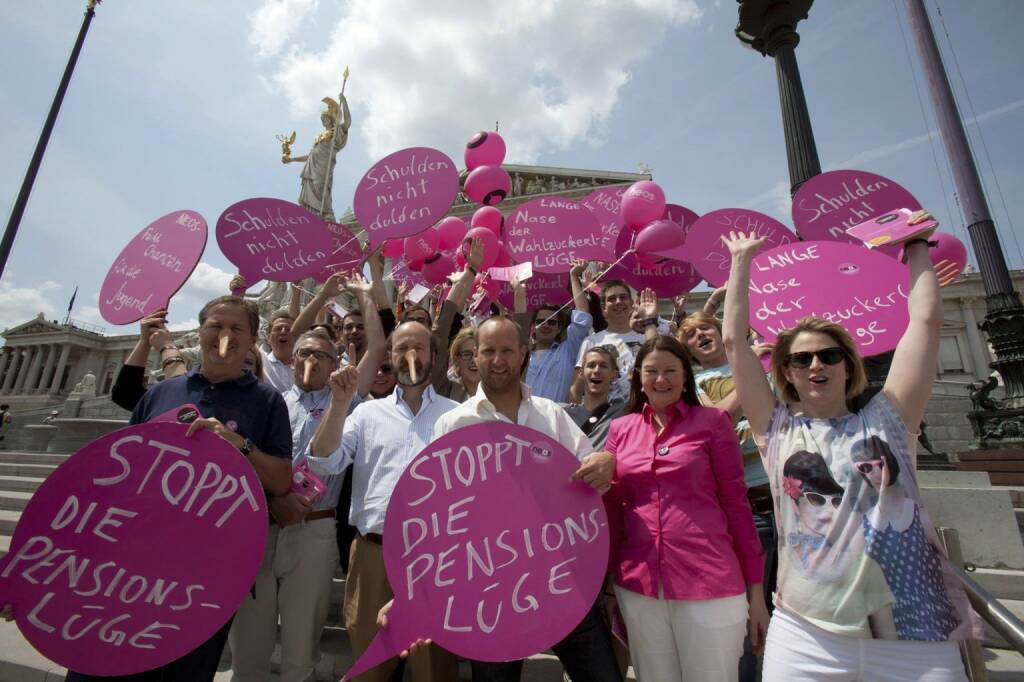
<point x="49" y="459"/>
<point x="20" y="483"/>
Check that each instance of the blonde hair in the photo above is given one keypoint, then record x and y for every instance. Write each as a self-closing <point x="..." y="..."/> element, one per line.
<point x="465" y="335"/>
<point x="694" y="320"/>
<point x="856" y="377"/>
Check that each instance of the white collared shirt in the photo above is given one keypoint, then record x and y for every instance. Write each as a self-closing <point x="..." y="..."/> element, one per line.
<point x="276" y="373"/>
<point x="379" y="440"/>
<point x="535" y="412"/>
<point x="305" y="410"/>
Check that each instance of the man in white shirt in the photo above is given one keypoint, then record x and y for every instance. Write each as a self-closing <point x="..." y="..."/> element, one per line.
<point x="617" y="306"/>
<point x="586" y="652"/>
<point x="294" y="581"/>
<point x="379" y="439"/>
<point x="277" y="364"/>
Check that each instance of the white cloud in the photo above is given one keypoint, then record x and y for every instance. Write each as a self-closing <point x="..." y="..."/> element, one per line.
<point x="775" y="201"/>
<point x="21" y="304"/>
<point x="186" y="325"/>
<point x="433" y="73"/>
<point x="207" y="281"/>
<point x="274" y="24"/>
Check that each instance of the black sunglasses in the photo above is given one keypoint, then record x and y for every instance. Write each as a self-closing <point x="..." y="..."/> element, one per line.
<point x="828" y="356"/>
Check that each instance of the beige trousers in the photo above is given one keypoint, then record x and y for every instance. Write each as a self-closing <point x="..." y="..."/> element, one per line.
<point x="294" y="583"/>
<point x="366" y="590"/>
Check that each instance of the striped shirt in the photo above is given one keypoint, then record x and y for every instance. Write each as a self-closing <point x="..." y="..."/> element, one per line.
<point x="305" y="409"/>
<point x="379" y="440"/>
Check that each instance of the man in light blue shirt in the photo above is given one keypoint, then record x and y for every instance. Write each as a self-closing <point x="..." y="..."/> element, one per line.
<point x="552" y="365"/>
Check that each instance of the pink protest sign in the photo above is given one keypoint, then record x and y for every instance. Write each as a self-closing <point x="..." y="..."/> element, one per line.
<point x="829" y="204"/>
<point x="540" y="289"/>
<point x="402" y="273"/>
<point x="152" y="267"/>
<point x="405" y="193"/>
<point x="685" y="218"/>
<point x="347" y="254"/>
<point x="709" y="253"/>
<point x="550" y="232"/>
<point x="491" y="551"/>
<point x="605" y="204"/>
<point x="136" y="549"/>
<point x="273" y="239"/>
<point x="668" y="278"/>
<point x="864" y="291"/>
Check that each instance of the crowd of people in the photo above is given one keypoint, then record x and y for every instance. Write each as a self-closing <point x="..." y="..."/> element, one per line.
<point x="759" y="527"/>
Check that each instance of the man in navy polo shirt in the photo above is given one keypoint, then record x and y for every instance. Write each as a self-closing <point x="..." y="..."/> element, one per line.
<point x="249" y="414"/>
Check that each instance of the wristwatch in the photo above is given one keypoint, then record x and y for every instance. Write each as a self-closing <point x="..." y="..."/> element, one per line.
<point x="246" y="447"/>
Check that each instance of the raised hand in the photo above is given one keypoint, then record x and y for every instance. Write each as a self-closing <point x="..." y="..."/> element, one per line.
<point x="343" y="383"/>
<point x="578" y="268"/>
<point x="237" y="283"/>
<point x="742" y="244"/>
<point x="475" y="255"/>
<point x="332" y="287"/>
<point x="357" y="284"/>
<point x="648" y="304"/>
<point x="154" y="329"/>
<point x="679" y="305"/>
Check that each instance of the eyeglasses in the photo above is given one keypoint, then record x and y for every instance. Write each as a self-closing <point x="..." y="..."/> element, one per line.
<point x="385" y="369"/>
<point x="819" y="500"/>
<point x="828" y="356"/>
<point x="304" y="353"/>
<point x="868" y="465"/>
<point x="553" y="321"/>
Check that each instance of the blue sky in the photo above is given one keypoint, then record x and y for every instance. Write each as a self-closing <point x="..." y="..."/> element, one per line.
<point x="176" y="105"/>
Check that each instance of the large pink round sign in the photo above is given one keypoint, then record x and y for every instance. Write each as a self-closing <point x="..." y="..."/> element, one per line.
<point x="136" y="549"/>
<point x="709" y="253"/>
<point x="346" y="255"/>
<point x="273" y="239"/>
<point x="606" y="205"/>
<point x="827" y="205"/>
<point x="152" y="267"/>
<point x="541" y="289"/>
<point x="490" y="549"/>
<point x="861" y="289"/>
<point x="405" y="193"/>
<point x="551" y="232"/>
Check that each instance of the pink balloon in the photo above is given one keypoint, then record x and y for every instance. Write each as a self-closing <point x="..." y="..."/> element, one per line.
<point x="643" y="202"/>
<point x="484" y="149"/>
<point x="415" y="265"/>
<point x="659" y="235"/>
<point x="491" y="246"/>
<point x="949" y="248"/>
<point x="489" y="185"/>
<point x="460" y="260"/>
<point x="504" y="258"/>
<point x="489" y="217"/>
<point x="437" y="268"/>
<point x="491" y="286"/>
<point x="393" y="248"/>
<point x="451" y="230"/>
<point x="422" y="245"/>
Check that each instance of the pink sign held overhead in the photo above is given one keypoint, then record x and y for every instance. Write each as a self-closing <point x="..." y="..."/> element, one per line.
<point x="347" y="256"/>
<point x="668" y="278"/>
<point x="273" y="239"/>
<point x="136" y="549"/>
<point x="542" y="288"/>
<point x="605" y="204"/>
<point x="405" y="193"/>
<point x="492" y="552"/>
<point x="401" y="272"/>
<point x="685" y="218"/>
<point x="827" y="205"/>
<point x="550" y="232"/>
<point x="864" y="291"/>
<point x="152" y="267"/>
<point x="710" y="254"/>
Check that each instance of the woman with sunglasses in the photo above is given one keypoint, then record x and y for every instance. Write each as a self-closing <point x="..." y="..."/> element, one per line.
<point x="835" y="627"/>
<point x="684" y="548"/>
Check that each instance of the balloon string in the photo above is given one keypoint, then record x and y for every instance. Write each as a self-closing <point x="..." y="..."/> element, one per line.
<point x="342" y="246"/>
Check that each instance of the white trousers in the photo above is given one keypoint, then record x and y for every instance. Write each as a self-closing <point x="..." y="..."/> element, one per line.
<point x="294" y="582"/>
<point x="797" y="651"/>
<point x="698" y="640"/>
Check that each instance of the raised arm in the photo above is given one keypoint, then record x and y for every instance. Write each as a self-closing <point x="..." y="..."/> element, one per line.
<point x="910" y="380"/>
<point x="752" y="387"/>
<point x="648" y="303"/>
<point x="305" y="319"/>
<point x="579" y="292"/>
<point x="295" y="300"/>
<point x="327" y="439"/>
<point x="374" y="354"/>
<point x="714" y="301"/>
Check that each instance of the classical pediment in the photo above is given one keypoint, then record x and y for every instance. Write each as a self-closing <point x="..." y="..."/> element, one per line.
<point x="36" y="326"/>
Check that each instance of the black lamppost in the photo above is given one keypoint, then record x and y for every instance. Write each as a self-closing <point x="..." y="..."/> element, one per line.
<point x="994" y="423"/>
<point x="44" y="137"/>
<point x="769" y="26"/>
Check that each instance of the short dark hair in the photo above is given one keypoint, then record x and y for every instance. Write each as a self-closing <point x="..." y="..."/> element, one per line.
<point x="318" y="333"/>
<point x="637" y="397"/>
<point x="873" y="448"/>
<point x="607" y="351"/>
<point x="351" y="313"/>
<point x="609" y="283"/>
<point x="410" y="311"/>
<point x="252" y="312"/>
<point x="281" y="314"/>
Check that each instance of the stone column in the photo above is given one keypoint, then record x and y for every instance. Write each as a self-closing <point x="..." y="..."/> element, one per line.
<point x="32" y="378"/>
<point x="5" y="358"/>
<point x="26" y="363"/>
<point x="12" y="371"/>
<point x="61" y="364"/>
<point x="979" y="351"/>
<point x="44" y="377"/>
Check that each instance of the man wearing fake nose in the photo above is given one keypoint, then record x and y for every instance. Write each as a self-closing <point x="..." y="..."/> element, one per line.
<point x="294" y="582"/>
<point x="247" y="413"/>
<point x="379" y="439"/>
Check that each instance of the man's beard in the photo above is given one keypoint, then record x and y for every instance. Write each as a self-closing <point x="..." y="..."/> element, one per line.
<point x="405" y="378"/>
<point x="499" y="382"/>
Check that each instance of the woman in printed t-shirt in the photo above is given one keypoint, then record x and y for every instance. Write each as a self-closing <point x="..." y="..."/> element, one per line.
<point x="862" y="588"/>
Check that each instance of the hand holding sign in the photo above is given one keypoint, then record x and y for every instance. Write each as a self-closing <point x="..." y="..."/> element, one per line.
<point x="492" y="553"/>
<point x="152" y="267"/>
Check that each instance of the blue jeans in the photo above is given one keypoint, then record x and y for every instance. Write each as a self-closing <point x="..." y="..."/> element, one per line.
<point x="765" y="524"/>
<point x="585" y="653"/>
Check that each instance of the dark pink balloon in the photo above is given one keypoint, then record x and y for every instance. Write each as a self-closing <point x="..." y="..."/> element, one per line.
<point x="949" y="249"/>
<point x="484" y="149"/>
<point x="643" y="202"/>
<point x="490" y="241"/>
<point x="489" y="217"/>
<point x="437" y="268"/>
<point x="451" y="231"/>
<point x="488" y="185"/>
<point x="415" y="265"/>
<point x="504" y="259"/>
<point x="422" y="245"/>
<point x="393" y="248"/>
<point x="460" y="259"/>
<point x="658" y="236"/>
